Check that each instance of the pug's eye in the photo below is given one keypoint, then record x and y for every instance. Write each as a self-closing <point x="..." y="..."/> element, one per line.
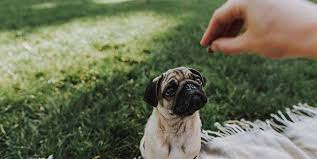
<point x="199" y="81"/>
<point x="170" y="92"/>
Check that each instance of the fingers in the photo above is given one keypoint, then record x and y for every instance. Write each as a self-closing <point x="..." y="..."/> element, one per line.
<point x="224" y="16"/>
<point x="211" y="32"/>
<point x="230" y="45"/>
<point x="234" y="29"/>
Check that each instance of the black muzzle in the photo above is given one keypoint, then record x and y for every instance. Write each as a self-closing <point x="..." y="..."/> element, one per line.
<point x="189" y="98"/>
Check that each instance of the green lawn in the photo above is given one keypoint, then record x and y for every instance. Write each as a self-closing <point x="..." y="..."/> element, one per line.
<point x="73" y="74"/>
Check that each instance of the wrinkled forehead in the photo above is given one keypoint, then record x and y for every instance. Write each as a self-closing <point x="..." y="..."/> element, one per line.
<point x="179" y="74"/>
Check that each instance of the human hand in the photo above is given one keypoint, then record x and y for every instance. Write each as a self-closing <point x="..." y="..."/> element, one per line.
<point x="273" y="28"/>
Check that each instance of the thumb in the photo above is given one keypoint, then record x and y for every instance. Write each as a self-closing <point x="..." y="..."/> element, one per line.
<point x="230" y="45"/>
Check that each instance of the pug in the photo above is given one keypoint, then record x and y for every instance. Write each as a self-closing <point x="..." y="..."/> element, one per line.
<point x="173" y="131"/>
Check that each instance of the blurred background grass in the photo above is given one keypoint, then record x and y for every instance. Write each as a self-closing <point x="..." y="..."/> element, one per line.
<point x="73" y="74"/>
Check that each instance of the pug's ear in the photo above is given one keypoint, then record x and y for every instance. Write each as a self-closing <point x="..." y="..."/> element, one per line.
<point x="199" y="74"/>
<point x="152" y="90"/>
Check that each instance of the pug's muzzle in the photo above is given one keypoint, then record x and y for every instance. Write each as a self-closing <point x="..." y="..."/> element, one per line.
<point x="189" y="98"/>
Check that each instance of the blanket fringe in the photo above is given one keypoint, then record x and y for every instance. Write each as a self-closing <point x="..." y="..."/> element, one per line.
<point x="278" y="122"/>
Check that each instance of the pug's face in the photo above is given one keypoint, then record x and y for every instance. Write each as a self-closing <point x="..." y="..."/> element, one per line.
<point x="178" y="91"/>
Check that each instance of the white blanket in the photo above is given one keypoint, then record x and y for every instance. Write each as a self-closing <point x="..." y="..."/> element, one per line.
<point x="292" y="135"/>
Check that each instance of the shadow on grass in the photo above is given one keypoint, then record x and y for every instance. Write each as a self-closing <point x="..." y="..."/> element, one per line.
<point x="31" y="14"/>
<point x="108" y="120"/>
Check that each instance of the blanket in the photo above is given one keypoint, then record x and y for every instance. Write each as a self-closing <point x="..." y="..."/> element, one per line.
<point x="289" y="135"/>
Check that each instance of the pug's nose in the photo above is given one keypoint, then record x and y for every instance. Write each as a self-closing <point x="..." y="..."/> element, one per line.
<point x="197" y="101"/>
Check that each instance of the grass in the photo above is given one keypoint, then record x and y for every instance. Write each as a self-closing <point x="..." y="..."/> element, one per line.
<point x="73" y="74"/>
